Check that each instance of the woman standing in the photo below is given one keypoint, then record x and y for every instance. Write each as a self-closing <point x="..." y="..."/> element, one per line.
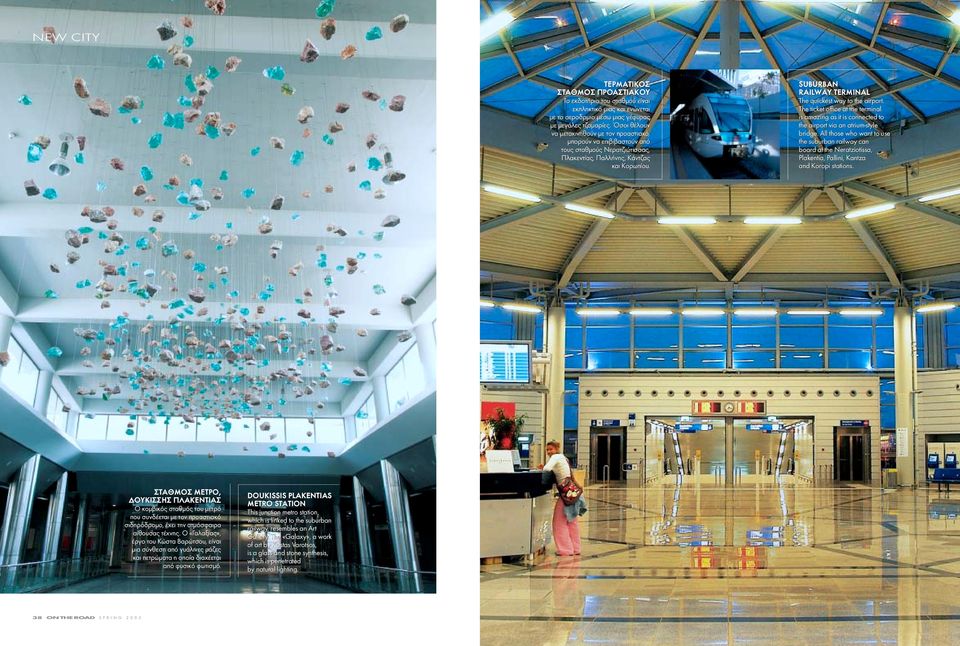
<point x="566" y="528"/>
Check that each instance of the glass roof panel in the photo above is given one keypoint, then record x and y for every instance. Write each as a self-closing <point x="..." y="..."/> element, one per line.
<point x="765" y="14"/>
<point x="538" y="24"/>
<point x="655" y="44"/>
<point x="859" y="18"/>
<point x="570" y="71"/>
<point x="933" y="97"/>
<point x="611" y="71"/>
<point x="494" y="70"/>
<point x="692" y="17"/>
<point x="532" y="57"/>
<point x="572" y="109"/>
<point x="906" y="20"/>
<point x="599" y="19"/>
<point x="888" y="70"/>
<point x="923" y="55"/>
<point x="803" y="44"/>
<point x="525" y="98"/>
<point x="854" y="127"/>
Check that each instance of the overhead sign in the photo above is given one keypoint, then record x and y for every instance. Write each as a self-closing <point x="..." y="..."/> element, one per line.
<point x="729" y="407"/>
<point x="856" y="423"/>
<point x="605" y="422"/>
<point x="691" y="427"/>
<point x="630" y="467"/>
<point x="766" y="427"/>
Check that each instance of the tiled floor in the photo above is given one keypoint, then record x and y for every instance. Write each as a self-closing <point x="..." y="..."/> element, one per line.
<point x="748" y="565"/>
<point x="123" y="584"/>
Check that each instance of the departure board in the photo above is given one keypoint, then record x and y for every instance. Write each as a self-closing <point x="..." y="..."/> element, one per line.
<point x="505" y="363"/>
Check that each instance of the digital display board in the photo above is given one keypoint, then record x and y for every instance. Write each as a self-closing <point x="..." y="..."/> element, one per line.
<point x="505" y="362"/>
<point x="729" y="407"/>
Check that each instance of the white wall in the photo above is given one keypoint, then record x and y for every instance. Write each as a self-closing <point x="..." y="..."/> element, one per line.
<point x="531" y="403"/>
<point x="827" y="410"/>
<point x="938" y="411"/>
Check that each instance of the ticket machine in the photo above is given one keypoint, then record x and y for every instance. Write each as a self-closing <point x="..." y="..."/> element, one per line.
<point x="950" y="461"/>
<point x="933" y="462"/>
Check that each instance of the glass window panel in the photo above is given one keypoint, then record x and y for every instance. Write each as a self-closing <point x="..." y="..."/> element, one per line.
<point x="16" y="354"/>
<point x="656" y="337"/>
<point x="242" y="430"/>
<point x="297" y="429"/>
<point x="887" y="392"/>
<point x="92" y="428"/>
<point x="744" y="360"/>
<point x="573" y="338"/>
<point x="951" y="316"/>
<point x="608" y="338"/>
<point x="859" y="359"/>
<point x="704" y="338"/>
<point x="179" y="430"/>
<point x="952" y="336"/>
<point x="850" y="337"/>
<point x="62" y="418"/>
<point x="573" y="360"/>
<point x="888" y="416"/>
<point x="538" y="332"/>
<point x="569" y="417"/>
<point x="495" y="332"/>
<point x="496" y="315"/>
<point x="884" y="359"/>
<point x="117" y="428"/>
<point x="155" y="432"/>
<point x="715" y="360"/>
<point x="20" y="374"/>
<point x="606" y="359"/>
<point x="922" y="359"/>
<point x="790" y="319"/>
<point x="208" y="430"/>
<point x="573" y="319"/>
<point x="656" y="360"/>
<point x="801" y="337"/>
<point x="274" y="428"/>
<point x="885" y="338"/>
<point x="754" y="337"/>
<point x="801" y="360"/>
<point x="570" y="392"/>
<point x="53" y="405"/>
<point x="329" y="430"/>
<point x="953" y="358"/>
<point x="413" y="368"/>
<point x="396" y="387"/>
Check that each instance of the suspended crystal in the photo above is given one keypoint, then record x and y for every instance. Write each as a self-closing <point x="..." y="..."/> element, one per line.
<point x="34" y="153"/>
<point x="212" y="131"/>
<point x="171" y="120"/>
<point x="365" y="185"/>
<point x="325" y="7"/>
<point x="54" y="351"/>
<point x="374" y="33"/>
<point x="276" y="73"/>
<point x="155" y="140"/>
<point x="296" y="158"/>
<point x="374" y="164"/>
<point x="379" y="290"/>
<point x="327" y="139"/>
<point x="224" y="176"/>
<point x="50" y="193"/>
<point x="255" y="151"/>
<point x="50" y="294"/>
<point x="78" y="158"/>
<point x="24" y="100"/>
<point x="212" y="72"/>
<point x="187" y="41"/>
<point x="135" y="120"/>
<point x="146" y="173"/>
<point x="155" y="63"/>
<point x="287" y="90"/>
<point x="248" y="192"/>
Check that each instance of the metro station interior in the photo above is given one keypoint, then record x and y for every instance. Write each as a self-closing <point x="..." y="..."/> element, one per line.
<point x="757" y="382"/>
<point x="259" y="318"/>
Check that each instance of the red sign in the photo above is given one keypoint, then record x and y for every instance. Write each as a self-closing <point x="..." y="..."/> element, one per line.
<point x="489" y="409"/>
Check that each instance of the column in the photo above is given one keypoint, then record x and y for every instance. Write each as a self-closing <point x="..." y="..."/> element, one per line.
<point x="556" y="323"/>
<point x="51" y="532"/>
<point x="16" y="520"/>
<point x="730" y="34"/>
<point x="363" y="524"/>
<point x="427" y="347"/>
<point x="338" y="531"/>
<point x="112" y="537"/>
<point x="903" y="371"/>
<point x="728" y="453"/>
<point x="380" y="397"/>
<point x="401" y="525"/>
<point x="44" y="383"/>
<point x="80" y="529"/>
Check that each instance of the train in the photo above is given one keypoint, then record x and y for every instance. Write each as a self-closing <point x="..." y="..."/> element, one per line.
<point x="718" y="126"/>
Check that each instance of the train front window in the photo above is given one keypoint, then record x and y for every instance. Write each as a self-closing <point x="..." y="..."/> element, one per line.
<point x="732" y="116"/>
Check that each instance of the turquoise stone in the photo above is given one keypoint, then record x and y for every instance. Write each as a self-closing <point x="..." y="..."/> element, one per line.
<point x="155" y="140"/>
<point x="155" y="63"/>
<point x="325" y="7"/>
<point x="50" y="193"/>
<point x="276" y="73"/>
<point x="374" y="33"/>
<point x="34" y="153"/>
<point x="296" y="158"/>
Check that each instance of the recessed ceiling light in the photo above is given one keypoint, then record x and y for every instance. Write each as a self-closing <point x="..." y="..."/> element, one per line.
<point x="871" y="210"/>
<point x="588" y="210"/>
<point x="509" y="192"/>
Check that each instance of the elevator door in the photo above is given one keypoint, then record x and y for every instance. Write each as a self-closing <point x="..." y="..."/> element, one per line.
<point x="853" y="462"/>
<point x="607" y="450"/>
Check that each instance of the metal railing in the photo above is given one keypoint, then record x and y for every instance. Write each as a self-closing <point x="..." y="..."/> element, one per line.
<point x="38" y="576"/>
<point x="368" y="578"/>
<point x="824" y="473"/>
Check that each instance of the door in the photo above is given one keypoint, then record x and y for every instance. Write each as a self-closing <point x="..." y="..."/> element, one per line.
<point x="853" y="455"/>
<point x="607" y="450"/>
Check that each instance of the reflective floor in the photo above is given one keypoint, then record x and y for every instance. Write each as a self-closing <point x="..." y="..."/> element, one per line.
<point x="755" y="564"/>
<point x="122" y="583"/>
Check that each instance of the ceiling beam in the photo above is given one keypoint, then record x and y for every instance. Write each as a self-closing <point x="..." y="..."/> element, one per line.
<point x="826" y="61"/>
<point x="880" y="20"/>
<point x="603" y="186"/>
<point x="886" y="196"/>
<point x="512" y="271"/>
<point x="583" y="247"/>
<point x="807" y="197"/>
<point x="653" y="199"/>
<point x="869" y="239"/>
<point x="505" y="40"/>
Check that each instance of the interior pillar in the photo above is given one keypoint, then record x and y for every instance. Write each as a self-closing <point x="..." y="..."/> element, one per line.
<point x="363" y="523"/>
<point x="556" y="322"/>
<point x="400" y="522"/>
<point x="730" y="34"/>
<point x="51" y="532"/>
<point x="16" y="520"/>
<point x="903" y="374"/>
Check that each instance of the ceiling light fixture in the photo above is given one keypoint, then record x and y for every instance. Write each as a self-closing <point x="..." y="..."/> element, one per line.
<point x="509" y="192"/>
<point x="59" y="165"/>
<point x="598" y="311"/>
<point x="809" y="311"/>
<point x="487" y="304"/>
<point x="939" y="196"/>
<point x="871" y="210"/>
<point x="939" y="306"/>
<point x="682" y="219"/>
<point x="651" y="311"/>
<point x="589" y="210"/>
<point x="703" y="311"/>
<point x="861" y="311"/>
<point x="777" y="219"/>
<point x="755" y="311"/>
<point x="522" y="307"/>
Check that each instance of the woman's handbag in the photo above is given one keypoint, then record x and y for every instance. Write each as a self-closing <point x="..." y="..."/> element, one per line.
<point x="569" y="490"/>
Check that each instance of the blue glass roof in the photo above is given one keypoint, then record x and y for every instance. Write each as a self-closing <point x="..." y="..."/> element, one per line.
<point x="908" y="47"/>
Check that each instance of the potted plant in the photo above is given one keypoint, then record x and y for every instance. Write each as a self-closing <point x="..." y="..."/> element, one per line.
<point x="504" y="429"/>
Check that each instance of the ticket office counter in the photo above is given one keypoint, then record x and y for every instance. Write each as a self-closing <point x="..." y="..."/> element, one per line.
<point x="516" y="514"/>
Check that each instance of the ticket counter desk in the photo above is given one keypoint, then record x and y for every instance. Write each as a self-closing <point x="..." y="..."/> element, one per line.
<point x="516" y="514"/>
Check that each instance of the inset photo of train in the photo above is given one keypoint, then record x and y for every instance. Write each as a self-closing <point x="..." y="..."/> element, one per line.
<point x="725" y="124"/>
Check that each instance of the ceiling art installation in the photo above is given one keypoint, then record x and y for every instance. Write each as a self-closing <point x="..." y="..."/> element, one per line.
<point x="222" y="291"/>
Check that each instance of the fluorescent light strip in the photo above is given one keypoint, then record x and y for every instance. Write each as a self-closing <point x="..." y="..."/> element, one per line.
<point x="589" y="210"/>
<point x="809" y="311"/>
<point x="679" y="219"/>
<point x="487" y="304"/>
<point x="494" y="23"/>
<point x="520" y="307"/>
<point x="651" y="311"/>
<point x="871" y="210"/>
<point x="861" y="311"/>
<point x="772" y="220"/>
<point x="755" y="311"/>
<point x="703" y="311"/>
<point x="941" y="195"/>
<point x="935" y="307"/>
<point x="597" y="311"/>
<point x="509" y="192"/>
